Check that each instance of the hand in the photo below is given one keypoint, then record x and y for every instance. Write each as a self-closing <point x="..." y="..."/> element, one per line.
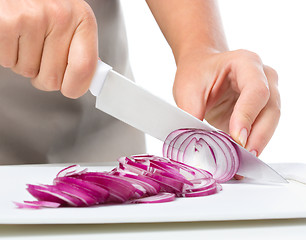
<point x="233" y="91"/>
<point x="52" y="42"/>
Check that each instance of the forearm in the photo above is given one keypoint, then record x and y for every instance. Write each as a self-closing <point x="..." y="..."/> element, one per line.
<point x="190" y="25"/>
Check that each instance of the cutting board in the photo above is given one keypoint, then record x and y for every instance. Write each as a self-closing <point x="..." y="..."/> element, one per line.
<point x="239" y="200"/>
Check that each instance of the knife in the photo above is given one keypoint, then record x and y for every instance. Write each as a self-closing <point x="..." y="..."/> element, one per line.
<point x="125" y="100"/>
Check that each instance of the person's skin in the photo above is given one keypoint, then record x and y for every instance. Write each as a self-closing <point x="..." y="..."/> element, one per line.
<point x="54" y="43"/>
<point x="232" y="90"/>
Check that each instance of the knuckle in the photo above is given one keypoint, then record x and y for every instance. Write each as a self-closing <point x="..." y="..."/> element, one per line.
<point x="244" y="54"/>
<point x="8" y="26"/>
<point x="271" y="74"/>
<point x="61" y="13"/>
<point x="276" y="106"/>
<point x="263" y="91"/>
<point x="21" y="18"/>
<point x="86" y="15"/>
<point x="50" y="83"/>
<point x="63" y="16"/>
<point x="26" y="69"/>
<point x="241" y="51"/>
<point x="247" y="118"/>
<point x="272" y="71"/>
<point x="87" y="12"/>
<point x="28" y="72"/>
<point x="7" y="63"/>
<point x="30" y="18"/>
<point x="5" y="18"/>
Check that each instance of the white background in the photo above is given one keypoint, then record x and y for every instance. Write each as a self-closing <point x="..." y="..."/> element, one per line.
<point x="275" y="29"/>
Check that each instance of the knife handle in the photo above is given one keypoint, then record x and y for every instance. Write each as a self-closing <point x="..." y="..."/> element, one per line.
<point x="99" y="78"/>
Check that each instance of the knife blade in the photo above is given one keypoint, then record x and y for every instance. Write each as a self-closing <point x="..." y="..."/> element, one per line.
<point x="125" y="100"/>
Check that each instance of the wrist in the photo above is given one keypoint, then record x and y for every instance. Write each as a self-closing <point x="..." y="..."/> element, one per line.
<point x="194" y="52"/>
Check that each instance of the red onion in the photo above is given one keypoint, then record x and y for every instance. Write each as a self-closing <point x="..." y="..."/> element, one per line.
<point x="147" y="178"/>
<point x="99" y="193"/>
<point x="159" y="198"/>
<point x="71" y="170"/>
<point x="51" y="193"/>
<point x="37" y="204"/>
<point x="212" y="151"/>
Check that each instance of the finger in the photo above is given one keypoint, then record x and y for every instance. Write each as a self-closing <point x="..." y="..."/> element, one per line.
<point x="266" y="123"/>
<point x="82" y="59"/>
<point x="254" y="95"/>
<point x="29" y="53"/>
<point x="54" y="60"/>
<point x="188" y="95"/>
<point x="8" y="47"/>
<point x="238" y="177"/>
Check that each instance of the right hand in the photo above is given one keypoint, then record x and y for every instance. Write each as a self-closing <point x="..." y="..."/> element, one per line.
<point x="53" y="42"/>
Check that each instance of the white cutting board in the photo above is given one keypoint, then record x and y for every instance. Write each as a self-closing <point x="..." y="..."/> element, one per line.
<point x="238" y="201"/>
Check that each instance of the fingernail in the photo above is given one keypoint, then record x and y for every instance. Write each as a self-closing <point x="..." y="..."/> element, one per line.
<point x="254" y="152"/>
<point x="238" y="177"/>
<point x="243" y="136"/>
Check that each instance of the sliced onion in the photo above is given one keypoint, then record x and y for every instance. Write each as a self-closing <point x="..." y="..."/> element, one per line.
<point x="77" y="192"/>
<point x="201" y="193"/>
<point x="170" y="184"/>
<point x="147" y="178"/>
<point x="151" y="187"/>
<point x="213" y="151"/>
<point x="159" y="198"/>
<point x="200" y="185"/>
<point x="71" y="170"/>
<point x="37" y="204"/>
<point x="50" y="193"/>
<point x="99" y="193"/>
<point x="120" y="190"/>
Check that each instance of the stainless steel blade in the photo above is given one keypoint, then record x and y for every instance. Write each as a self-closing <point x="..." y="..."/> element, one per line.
<point x="252" y="167"/>
<point x="139" y="108"/>
<point x="130" y="103"/>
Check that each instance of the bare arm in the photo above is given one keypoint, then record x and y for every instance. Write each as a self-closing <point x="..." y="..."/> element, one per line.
<point x="233" y="90"/>
<point x="189" y="24"/>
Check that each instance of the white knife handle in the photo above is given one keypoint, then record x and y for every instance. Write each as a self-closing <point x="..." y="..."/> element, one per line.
<point x="99" y="78"/>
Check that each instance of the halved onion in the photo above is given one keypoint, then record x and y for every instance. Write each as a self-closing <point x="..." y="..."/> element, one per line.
<point x="210" y="150"/>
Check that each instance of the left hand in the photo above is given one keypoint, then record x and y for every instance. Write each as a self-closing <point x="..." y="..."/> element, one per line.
<point x="234" y="91"/>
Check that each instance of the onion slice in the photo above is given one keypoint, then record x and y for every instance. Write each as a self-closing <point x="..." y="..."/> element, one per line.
<point x="147" y="178"/>
<point x="37" y="204"/>
<point x="159" y="198"/>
